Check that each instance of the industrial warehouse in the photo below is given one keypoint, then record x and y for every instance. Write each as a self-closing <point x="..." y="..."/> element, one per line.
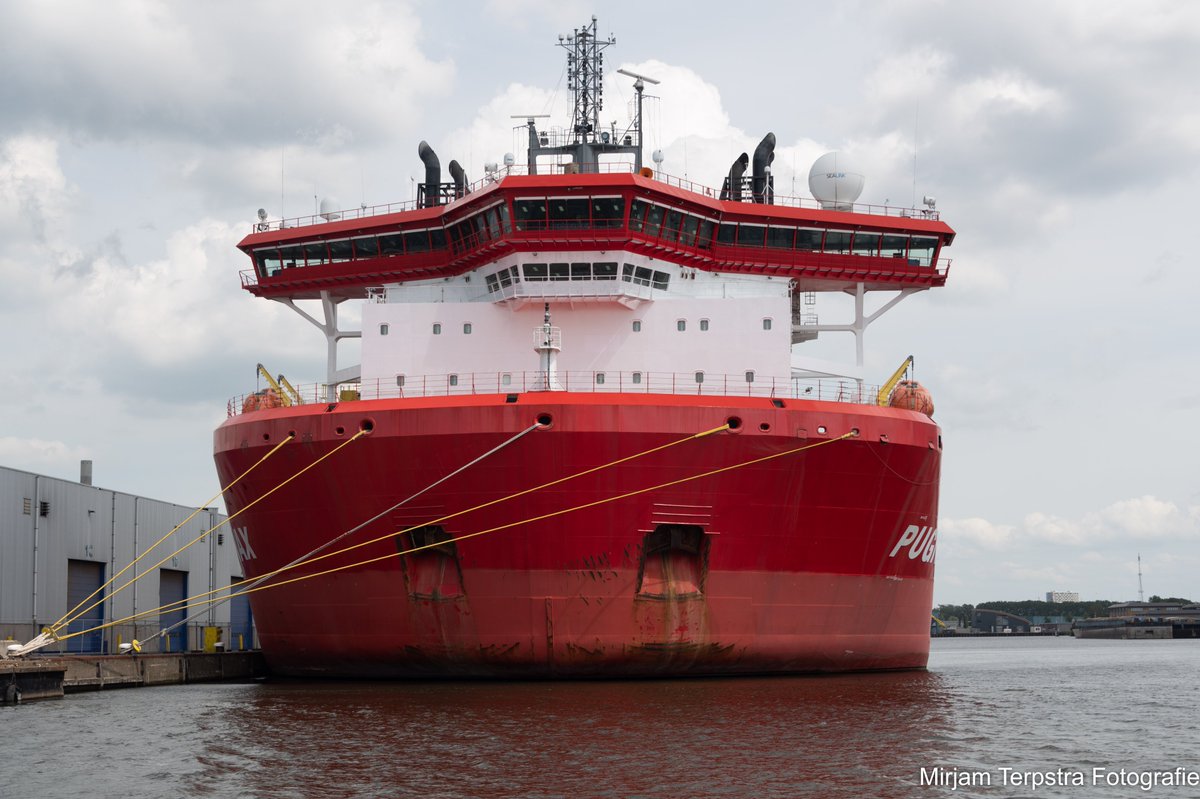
<point x="62" y="542"/>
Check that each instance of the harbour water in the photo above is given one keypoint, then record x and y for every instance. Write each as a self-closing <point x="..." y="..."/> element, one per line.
<point x="985" y="720"/>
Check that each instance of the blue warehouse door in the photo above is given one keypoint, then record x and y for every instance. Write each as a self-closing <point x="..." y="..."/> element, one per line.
<point x="83" y="579"/>
<point x="241" y="620"/>
<point x="172" y="587"/>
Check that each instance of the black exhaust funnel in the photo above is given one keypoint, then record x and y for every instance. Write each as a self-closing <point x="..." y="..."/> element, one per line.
<point x="433" y="174"/>
<point x="762" y="185"/>
<point x="732" y="188"/>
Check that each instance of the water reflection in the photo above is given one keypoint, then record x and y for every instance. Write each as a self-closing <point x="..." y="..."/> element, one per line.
<point x="849" y="736"/>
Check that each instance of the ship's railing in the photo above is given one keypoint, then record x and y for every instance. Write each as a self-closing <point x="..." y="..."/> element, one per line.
<point x="747" y="384"/>
<point x="606" y="167"/>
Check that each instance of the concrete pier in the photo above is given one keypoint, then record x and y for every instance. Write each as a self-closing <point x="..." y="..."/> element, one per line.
<point x="47" y="678"/>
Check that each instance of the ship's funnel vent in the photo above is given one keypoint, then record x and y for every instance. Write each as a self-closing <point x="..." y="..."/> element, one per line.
<point x="460" y="179"/>
<point x="731" y="189"/>
<point x="433" y="176"/>
<point x="763" y="185"/>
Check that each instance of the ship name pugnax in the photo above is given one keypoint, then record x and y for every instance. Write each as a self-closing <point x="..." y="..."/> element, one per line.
<point x="921" y="542"/>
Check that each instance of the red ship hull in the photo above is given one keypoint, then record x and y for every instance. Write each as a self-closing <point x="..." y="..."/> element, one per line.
<point x="819" y="559"/>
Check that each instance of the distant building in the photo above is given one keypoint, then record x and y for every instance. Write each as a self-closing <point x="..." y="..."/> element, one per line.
<point x="1062" y="596"/>
<point x="998" y="621"/>
<point x="61" y="540"/>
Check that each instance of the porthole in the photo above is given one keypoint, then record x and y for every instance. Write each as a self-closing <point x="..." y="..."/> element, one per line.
<point x="821" y="429"/>
<point x="766" y="324"/>
<point x="681" y="325"/>
<point x="599" y="378"/>
<point x="765" y="427"/>
<point x="704" y="324"/>
<point x="637" y="325"/>
<point x="467" y="328"/>
<point x="637" y="377"/>
<point x="339" y="431"/>
<point x="383" y="329"/>
<point x="749" y="375"/>
<point x="400" y="381"/>
<point x="437" y="329"/>
<point x="699" y="377"/>
<point x="454" y="380"/>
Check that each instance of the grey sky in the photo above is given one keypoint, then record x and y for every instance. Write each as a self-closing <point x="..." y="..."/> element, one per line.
<point x="1062" y="141"/>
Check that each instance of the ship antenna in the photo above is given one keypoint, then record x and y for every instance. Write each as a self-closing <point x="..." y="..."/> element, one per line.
<point x="586" y="142"/>
<point x="1141" y="594"/>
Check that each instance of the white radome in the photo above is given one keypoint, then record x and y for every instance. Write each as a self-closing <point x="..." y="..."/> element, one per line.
<point x="329" y="209"/>
<point x="835" y="182"/>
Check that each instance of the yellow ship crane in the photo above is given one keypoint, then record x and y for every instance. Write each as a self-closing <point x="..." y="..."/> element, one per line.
<point x="885" y="391"/>
<point x="286" y="392"/>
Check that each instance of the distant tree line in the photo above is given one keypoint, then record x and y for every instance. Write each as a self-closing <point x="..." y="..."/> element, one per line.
<point x="1037" y="609"/>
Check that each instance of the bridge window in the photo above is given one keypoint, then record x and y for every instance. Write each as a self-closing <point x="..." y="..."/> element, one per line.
<point x="920" y="252"/>
<point x="637" y="215"/>
<point x="670" y="229"/>
<point x="493" y="283"/>
<point x="705" y="234"/>
<point x="536" y="272"/>
<point x="687" y="235"/>
<point x="568" y="213"/>
<point x="416" y="241"/>
<point x="581" y="271"/>
<point x="530" y="214"/>
<point x="893" y="246"/>
<point x="340" y="251"/>
<point x="560" y="271"/>
<point x="727" y="233"/>
<point x="837" y="241"/>
<point x="751" y="235"/>
<point x="608" y="212"/>
<point x="493" y="223"/>
<point x="780" y="237"/>
<point x="479" y="223"/>
<point x="315" y="254"/>
<point x="654" y="218"/>
<point x="291" y="255"/>
<point x="866" y="242"/>
<point x="505" y="224"/>
<point x="809" y="239"/>
<point x="391" y="245"/>
<point x="604" y="270"/>
<point x="268" y="261"/>
<point x="437" y="238"/>
<point x="365" y="247"/>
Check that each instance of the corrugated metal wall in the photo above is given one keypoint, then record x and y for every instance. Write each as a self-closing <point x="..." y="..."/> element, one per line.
<point x="64" y="521"/>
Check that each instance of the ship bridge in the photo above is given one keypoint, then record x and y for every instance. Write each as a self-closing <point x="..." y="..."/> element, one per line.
<point x="345" y="253"/>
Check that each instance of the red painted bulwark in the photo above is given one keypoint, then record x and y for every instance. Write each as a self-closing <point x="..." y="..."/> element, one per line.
<point x="817" y="560"/>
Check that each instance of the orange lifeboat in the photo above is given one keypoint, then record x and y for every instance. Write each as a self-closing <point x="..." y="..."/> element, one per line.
<point x="261" y="400"/>
<point x="913" y="396"/>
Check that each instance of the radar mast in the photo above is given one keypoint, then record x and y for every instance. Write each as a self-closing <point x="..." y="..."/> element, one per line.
<point x="586" y="141"/>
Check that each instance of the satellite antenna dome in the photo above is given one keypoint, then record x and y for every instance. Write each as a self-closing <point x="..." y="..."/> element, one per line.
<point x="657" y="156"/>
<point x="490" y="167"/>
<point x="329" y="210"/>
<point x="834" y="182"/>
<point x="509" y="159"/>
<point x="262" y="214"/>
